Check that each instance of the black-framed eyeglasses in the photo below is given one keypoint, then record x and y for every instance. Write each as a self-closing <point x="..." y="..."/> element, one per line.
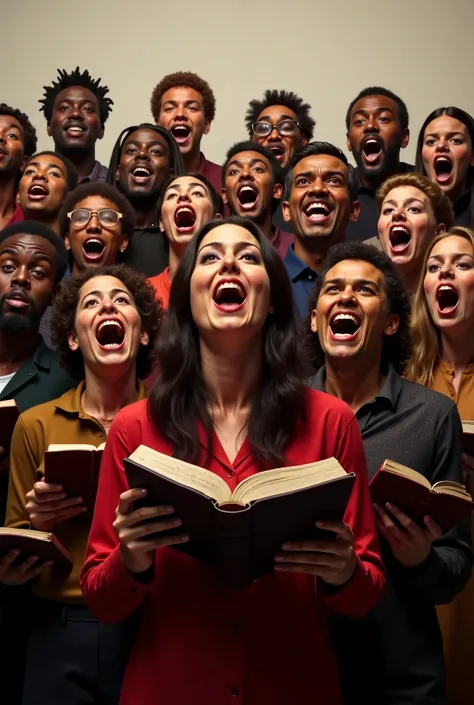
<point x="107" y="217"/>
<point x="285" y="128"/>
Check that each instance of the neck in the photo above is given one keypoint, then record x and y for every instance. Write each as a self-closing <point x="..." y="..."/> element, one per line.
<point x="265" y="224"/>
<point x="457" y="192"/>
<point x="458" y="350"/>
<point x="176" y="253"/>
<point x="146" y="213"/>
<point x="15" y="348"/>
<point x="192" y="159"/>
<point x="312" y="251"/>
<point x="411" y="278"/>
<point x="7" y="199"/>
<point x="231" y="373"/>
<point x="343" y="380"/>
<point x="373" y="182"/>
<point x="83" y="161"/>
<point x="49" y="219"/>
<point x="105" y="394"/>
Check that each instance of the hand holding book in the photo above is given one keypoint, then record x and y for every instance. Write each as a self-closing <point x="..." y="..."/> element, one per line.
<point x="139" y="530"/>
<point x="14" y="572"/>
<point x="47" y="506"/>
<point x="333" y="561"/>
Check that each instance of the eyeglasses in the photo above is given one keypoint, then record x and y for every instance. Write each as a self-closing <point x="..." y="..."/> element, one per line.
<point x="285" y="128"/>
<point x="107" y="217"/>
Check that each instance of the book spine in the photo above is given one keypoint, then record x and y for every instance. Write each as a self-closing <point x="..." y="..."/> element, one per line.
<point x="234" y="545"/>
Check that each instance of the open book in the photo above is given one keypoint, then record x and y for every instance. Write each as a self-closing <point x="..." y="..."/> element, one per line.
<point x="468" y="437"/>
<point x="446" y="501"/>
<point x="76" y="467"/>
<point x="35" y="543"/>
<point x="240" y="532"/>
<point x="9" y="414"/>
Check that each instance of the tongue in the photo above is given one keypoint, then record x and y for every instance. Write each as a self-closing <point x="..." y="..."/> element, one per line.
<point x="372" y="156"/>
<point x="443" y="176"/>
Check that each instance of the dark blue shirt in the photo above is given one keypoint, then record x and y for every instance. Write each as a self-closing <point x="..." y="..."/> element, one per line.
<point x="303" y="279"/>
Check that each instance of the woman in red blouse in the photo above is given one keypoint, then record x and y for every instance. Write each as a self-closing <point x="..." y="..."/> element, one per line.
<point x="229" y="398"/>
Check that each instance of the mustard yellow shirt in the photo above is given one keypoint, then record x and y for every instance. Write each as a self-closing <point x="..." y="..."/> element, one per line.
<point x="59" y="421"/>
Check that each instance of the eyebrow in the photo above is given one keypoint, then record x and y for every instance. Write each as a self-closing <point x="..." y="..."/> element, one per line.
<point x="100" y="294"/>
<point x="267" y="118"/>
<point x="50" y="166"/>
<point x="14" y="126"/>
<point x="186" y="102"/>
<point x="137" y="143"/>
<point x="340" y="280"/>
<point x="458" y="255"/>
<point x="365" y="111"/>
<point x="449" y="134"/>
<point x="193" y="184"/>
<point x="81" y="100"/>
<point x="36" y="256"/>
<point x="253" y="161"/>
<point x="238" y="245"/>
<point x="327" y="172"/>
<point x="405" y="203"/>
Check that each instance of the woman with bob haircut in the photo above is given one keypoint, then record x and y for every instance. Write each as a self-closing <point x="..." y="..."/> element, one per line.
<point x="230" y="397"/>
<point x="105" y="322"/>
<point x="443" y="359"/>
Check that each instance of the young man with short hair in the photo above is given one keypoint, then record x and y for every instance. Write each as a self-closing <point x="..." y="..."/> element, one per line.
<point x="184" y="103"/>
<point x="47" y="177"/>
<point x="142" y="159"/>
<point x="358" y="337"/>
<point x="252" y="187"/>
<point x="17" y="141"/>
<point x="319" y="200"/>
<point x="377" y="129"/>
<point x="76" y="109"/>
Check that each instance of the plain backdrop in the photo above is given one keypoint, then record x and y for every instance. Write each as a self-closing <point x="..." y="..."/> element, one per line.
<point x="326" y="51"/>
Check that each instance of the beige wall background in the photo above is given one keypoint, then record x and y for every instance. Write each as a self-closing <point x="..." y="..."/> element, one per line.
<point x="326" y="51"/>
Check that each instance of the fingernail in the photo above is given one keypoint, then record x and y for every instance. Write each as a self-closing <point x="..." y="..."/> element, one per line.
<point x="33" y="558"/>
<point x="278" y="567"/>
<point x="142" y="492"/>
<point x="320" y="524"/>
<point x="389" y="506"/>
<point x="184" y="537"/>
<point x="176" y="522"/>
<point x="48" y="563"/>
<point x="279" y="558"/>
<point x="169" y="510"/>
<point x="78" y="500"/>
<point x="286" y="546"/>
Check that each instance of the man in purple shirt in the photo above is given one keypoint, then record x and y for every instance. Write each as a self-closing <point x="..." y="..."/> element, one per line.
<point x="184" y="103"/>
<point x="76" y="108"/>
<point x="252" y="181"/>
<point x="17" y="142"/>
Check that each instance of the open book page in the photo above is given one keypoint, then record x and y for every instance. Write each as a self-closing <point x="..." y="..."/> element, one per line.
<point x="269" y="483"/>
<point x="27" y="533"/>
<point x="7" y="404"/>
<point x="54" y="447"/>
<point x="467" y="426"/>
<point x="187" y="474"/>
<point x="404" y="471"/>
<point x="453" y="488"/>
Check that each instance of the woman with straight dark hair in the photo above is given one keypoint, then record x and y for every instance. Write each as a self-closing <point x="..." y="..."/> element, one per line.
<point x="445" y="154"/>
<point x="229" y="397"/>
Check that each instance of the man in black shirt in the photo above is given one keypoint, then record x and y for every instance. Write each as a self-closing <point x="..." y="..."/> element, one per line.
<point x="142" y="159"/>
<point x="359" y="338"/>
<point x="377" y="128"/>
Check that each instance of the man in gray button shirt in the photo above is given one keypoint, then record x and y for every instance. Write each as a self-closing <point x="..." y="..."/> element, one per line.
<point x="358" y="339"/>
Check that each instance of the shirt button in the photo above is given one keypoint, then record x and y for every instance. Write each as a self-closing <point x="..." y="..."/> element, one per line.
<point x="230" y="474"/>
<point x="101" y="434"/>
<point x="234" y="691"/>
<point x="310" y="276"/>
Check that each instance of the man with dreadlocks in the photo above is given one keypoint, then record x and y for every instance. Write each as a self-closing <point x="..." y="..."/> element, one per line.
<point x="76" y="108"/>
<point x="17" y="141"/>
<point x="143" y="158"/>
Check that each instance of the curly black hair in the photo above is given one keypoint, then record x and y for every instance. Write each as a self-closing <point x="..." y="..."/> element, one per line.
<point x="289" y="100"/>
<point x="29" y="132"/>
<point x="188" y="80"/>
<point x="76" y="78"/>
<point x="378" y="90"/>
<point x="64" y="314"/>
<point x="248" y="146"/>
<point x="397" y="349"/>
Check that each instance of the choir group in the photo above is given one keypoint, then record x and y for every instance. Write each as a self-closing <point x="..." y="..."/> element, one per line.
<point x="280" y="309"/>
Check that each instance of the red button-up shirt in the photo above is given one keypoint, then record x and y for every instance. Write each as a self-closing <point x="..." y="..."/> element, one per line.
<point x="202" y="643"/>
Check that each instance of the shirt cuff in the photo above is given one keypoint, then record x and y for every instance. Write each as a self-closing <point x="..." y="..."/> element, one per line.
<point x="126" y="586"/>
<point x="426" y="575"/>
<point x="356" y="597"/>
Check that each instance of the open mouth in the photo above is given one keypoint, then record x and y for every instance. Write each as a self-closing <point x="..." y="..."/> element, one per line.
<point x="37" y="192"/>
<point x="110" y="334"/>
<point x="185" y="219"/>
<point x="400" y="238"/>
<point x="141" y="174"/>
<point x="443" y="167"/>
<point x="229" y="295"/>
<point x="317" y="211"/>
<point x="447" y="299"/>
<point x="278" y="152"/>
<point x="344" y="326"/>
<point x="372" y="150"/>
<point x="181" y="133"/>
<point x="93" y="248"/>
<point x="75" y="130"/>
<point x="248" y="197"/>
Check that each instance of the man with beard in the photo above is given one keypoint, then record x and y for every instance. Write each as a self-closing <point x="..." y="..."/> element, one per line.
<point x="185" y="104"/>
<point x="377" y="128"/>
<point x="47" y="178"/>
<point x="142" y="159"/>
<point x="76" y="108"/>
<point x="319" y="199"/>
<point x="252" y="187"/>
<point x="17" y="141"/>
<point x="358" y="338"/>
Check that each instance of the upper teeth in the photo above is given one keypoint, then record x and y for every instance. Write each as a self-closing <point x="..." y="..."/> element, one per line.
<point x="400" y="228"/>
<point x="443" y="159"/>
<point x="446" y="288"/>
<point x="316" y="205"/>
<point x="230" y="285"/>
<point x="109" y="323"/>
<point x="141" y="169"/>
<point x="247" y="188"/>
<point x="346" y="317"/>
<point x="95" y="239"/>
<point x="182" y="209"/>
<point x="372" y="141"/>
<point x="76" y="128"/>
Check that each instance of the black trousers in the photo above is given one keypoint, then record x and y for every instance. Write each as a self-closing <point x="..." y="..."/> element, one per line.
<point x="72" y="659"/>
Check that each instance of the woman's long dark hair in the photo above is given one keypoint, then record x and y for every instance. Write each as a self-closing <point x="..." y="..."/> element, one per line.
<point x="468" y="121"/>
<point x="180" y="399"/>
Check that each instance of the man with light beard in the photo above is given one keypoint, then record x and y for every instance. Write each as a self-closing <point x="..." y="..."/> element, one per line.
<point x="252" y="182"/>
<point x="377" y="128"/>
<point x="320" y="201"/>
<point x="142" y="159"/>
